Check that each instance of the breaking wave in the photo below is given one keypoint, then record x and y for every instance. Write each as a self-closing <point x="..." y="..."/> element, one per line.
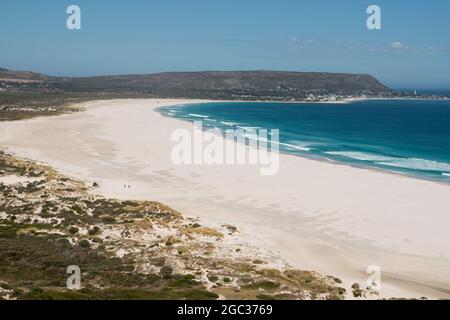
<point x="397" y="162"/>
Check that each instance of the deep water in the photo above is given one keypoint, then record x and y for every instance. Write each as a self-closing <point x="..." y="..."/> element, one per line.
<point x="404" y="136"/>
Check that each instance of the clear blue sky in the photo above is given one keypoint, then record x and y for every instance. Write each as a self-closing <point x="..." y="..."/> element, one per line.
<point x="144" y="36"/>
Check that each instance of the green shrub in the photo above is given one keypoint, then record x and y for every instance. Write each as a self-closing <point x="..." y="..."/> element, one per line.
<point x="166" y="271"/>
<point x="226" y="280"/>
<point x="84" y="243"/>
<point x="197" y="294"/>
<point x="73" y="230"/>
<point x="94" y="231"/>
<point x="213" y="278"/>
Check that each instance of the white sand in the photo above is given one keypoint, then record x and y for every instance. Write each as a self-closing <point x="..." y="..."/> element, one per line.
<point x="13" y="179"/>
<point x="321" y="216"/>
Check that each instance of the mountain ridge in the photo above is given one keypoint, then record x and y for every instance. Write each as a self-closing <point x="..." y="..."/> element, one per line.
<point x="258" y="84"/>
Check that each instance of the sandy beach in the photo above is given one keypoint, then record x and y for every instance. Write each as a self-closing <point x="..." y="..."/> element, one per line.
<point x="326" y="217"/>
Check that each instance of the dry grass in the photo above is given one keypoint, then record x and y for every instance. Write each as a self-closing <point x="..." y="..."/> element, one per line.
<point x="204" y="231"/>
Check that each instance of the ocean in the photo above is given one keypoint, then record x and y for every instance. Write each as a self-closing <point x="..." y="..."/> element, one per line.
<point x="410" y="137"/>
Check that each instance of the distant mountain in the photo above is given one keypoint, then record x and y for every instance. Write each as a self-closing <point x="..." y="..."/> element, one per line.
<point x="22" y="75"/>
<point x="217" y="84"/>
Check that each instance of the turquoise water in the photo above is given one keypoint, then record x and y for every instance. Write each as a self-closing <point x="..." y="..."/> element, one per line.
<point x="405" y="136"/>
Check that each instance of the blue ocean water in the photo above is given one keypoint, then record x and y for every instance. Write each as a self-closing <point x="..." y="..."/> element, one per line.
<point x="405" y="136"/>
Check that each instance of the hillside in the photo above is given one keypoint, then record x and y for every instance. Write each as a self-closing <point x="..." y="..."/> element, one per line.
<point x="21" y="76"/>
<point x="247" y="85"/>
<point x="215" y="84"/>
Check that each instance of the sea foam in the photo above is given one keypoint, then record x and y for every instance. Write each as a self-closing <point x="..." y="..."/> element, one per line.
<point x="295" y="147"/>
<point x="418" y="164"/>
<point x="231" y="124"/>
<point x="198" y="115"/>
<point x="363" y="156"/>
<point x="405" y="163"/>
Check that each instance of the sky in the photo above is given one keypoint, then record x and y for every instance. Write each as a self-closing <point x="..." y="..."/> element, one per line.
<point x="412" y="50"/>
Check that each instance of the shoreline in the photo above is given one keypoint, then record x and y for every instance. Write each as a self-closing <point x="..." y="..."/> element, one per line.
<point x="318" y="157"/>
<point x="101" y="157"/>
<point x="149" y="240"/>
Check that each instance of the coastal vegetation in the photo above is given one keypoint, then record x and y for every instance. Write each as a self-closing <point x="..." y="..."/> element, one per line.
<point x="18" y="105"/>
<point x="126" y="249"/>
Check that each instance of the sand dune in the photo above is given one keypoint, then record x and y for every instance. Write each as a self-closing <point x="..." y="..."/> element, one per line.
<point x="322" y="216"/>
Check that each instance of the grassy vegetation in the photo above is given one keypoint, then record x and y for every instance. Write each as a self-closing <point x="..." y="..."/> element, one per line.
<point x="125" y="249"/>
<point x="34" y="267"/>
<point x="265" y="285"/>
<point x="34" y="256"/>
<point x="58" y="101"/>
